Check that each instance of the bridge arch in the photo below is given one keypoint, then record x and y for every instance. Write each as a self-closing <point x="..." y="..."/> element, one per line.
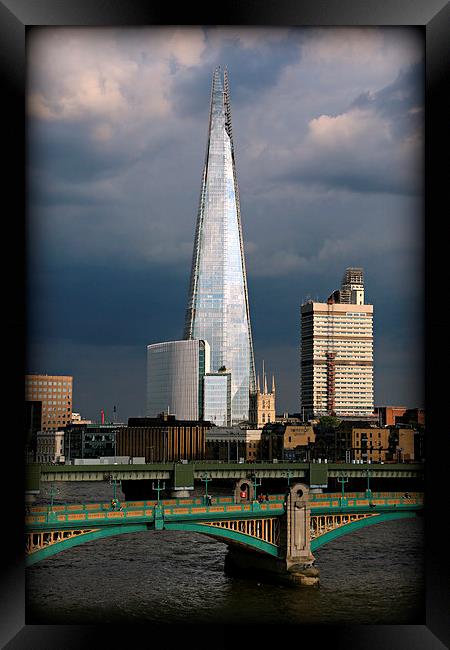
<point x="353" y="526"/>
<point x="223" y="534"/>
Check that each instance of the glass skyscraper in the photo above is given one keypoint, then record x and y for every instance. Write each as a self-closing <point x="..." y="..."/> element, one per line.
<point x="218" y="309"/>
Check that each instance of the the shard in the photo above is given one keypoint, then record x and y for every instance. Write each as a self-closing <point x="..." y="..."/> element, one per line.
<point x="218" y="309"/>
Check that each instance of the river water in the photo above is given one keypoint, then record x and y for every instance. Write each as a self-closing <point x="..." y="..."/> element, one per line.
<point x="373" y="576"/>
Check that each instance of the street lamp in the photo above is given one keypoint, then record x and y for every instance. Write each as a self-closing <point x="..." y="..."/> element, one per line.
<point x="50" y="513"/>
<point x="342" y="480"/>
<point x="368" y="491"/>
<point x="158" y="489"/>
<point x="256" y="484"/>
<point x="115" y="501"/>
<point x="289" y="474"/>
<point x="205" y="479"/>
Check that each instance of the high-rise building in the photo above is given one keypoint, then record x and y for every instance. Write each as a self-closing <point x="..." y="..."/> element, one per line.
<point x="217" y="398"/>
<point x="218" y="308"/>
<point x="55" y="394"/>
<point x="175" y="375"/>
<point x="337" y="352"/>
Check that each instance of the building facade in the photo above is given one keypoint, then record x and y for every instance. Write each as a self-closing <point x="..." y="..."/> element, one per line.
<point x="233" y="444"/>
<point x="55" y="394"/>
<point x="175" y="377"/>
<point x="217" y="398"/>
<point x="218" y="307"/>
<point x="50" y="447"/>
<point x="163" y="439"/>
<point x="287" y="441"/>
<point x="90" y="440"/>
<point x="387" y="415"/>
<point x="336" y="352"/>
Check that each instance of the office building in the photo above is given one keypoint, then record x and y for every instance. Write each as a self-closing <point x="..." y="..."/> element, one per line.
<point x="217" y="398"/>
<point x="163" y="439"/>
<point x="287" y="441"/>
<point x="218" y="307"/>
<point x="388" y="415"/>
<point x="90" y="440"/>
<point x="175" y="376"/>
<point x="233" y="444"/>
<point x="55" y="394"/>
<point x="50" y="447"/>
<point x="336" y="352"/>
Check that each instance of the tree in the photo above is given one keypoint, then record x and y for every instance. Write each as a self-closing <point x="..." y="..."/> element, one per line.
<point x="329" y="422"/>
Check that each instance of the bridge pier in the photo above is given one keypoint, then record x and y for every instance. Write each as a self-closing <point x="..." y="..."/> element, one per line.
<point x="294" y="565"/>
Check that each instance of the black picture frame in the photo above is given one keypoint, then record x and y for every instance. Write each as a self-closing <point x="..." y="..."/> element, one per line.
<point x="434" y="17"/>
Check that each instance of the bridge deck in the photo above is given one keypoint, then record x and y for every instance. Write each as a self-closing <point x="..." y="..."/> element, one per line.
<point x="83" y="514"/>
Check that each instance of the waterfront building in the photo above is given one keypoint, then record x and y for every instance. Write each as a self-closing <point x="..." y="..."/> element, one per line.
<point x="175" y="378"/>
<point x="336" y="353"/>
<point x="287" y="441"/>
<point x="218" y="307"/>
<point x="370" y="444"/>
<point x="233" y="444"/>
<point x="217" y="398"/>
<point x="262" y="404"/>
<point x="392" y="415"/>
<point x="50" y="447"/>
<point x="90" y="440"/>
<point x="387" y="415"/>
<point x="55" y="394"/>
<point x="163" y="439"/>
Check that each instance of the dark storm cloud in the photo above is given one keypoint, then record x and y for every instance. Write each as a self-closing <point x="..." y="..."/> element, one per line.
<point x="373" y="146"/>
<point x="65" y="152"/>
<point x="117" y="307"/>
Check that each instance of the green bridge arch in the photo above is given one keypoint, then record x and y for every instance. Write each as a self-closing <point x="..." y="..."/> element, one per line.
<point x="223" y="534"/>
<point x="357" y="525"/>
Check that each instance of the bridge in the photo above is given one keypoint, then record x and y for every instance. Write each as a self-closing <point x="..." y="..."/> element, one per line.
<point x="181" y="477"/>
<point x="277" y="536"/>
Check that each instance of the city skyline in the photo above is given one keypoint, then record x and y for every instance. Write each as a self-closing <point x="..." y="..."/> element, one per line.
<point x="329" y="129"/>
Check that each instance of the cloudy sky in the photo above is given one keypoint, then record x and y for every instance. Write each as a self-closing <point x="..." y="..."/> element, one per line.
<point x="328" y="133"/>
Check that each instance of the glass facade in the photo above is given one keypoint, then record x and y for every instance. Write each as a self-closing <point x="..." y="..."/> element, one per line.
<point x="218" y="309"/>
<point x="217" y="392"/>
<point x="175" y="374"/>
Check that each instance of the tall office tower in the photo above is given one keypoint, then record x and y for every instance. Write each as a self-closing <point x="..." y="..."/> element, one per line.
<point x="55" y="394"/>
<point x="217" y="398"/>
<point x="175" y="376"/>
<point x="336" y="352"/>
<point x="218" y="309"/>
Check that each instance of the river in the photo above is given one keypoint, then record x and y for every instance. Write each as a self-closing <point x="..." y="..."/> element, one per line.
<point x="373" y="576"/>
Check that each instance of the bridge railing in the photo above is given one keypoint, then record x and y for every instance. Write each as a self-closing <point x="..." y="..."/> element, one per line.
<point x="147" y="512"/>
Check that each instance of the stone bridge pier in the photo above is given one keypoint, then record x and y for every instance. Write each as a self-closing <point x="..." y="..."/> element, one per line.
<point x="294" y="564"/>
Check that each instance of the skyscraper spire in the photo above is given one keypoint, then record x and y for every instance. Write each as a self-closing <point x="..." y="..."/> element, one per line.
<point x="218" y="308"/>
